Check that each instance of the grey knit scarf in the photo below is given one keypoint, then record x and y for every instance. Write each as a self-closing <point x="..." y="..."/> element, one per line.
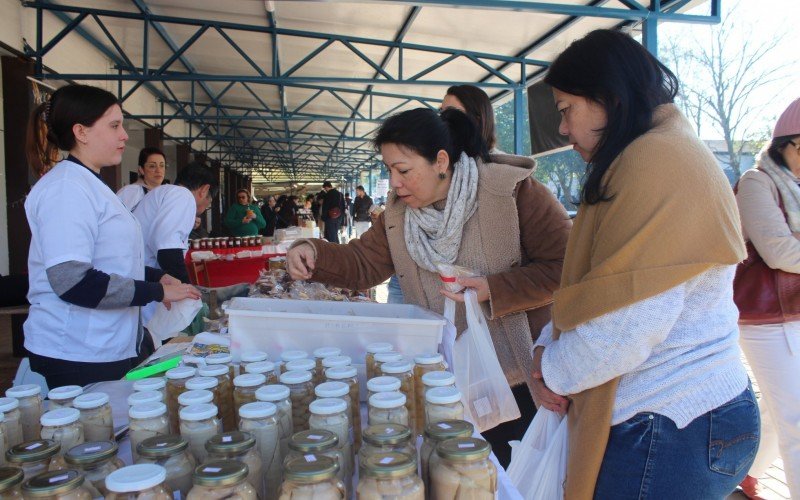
<point x="787" y="186"/>
<point x="434" y="236"/>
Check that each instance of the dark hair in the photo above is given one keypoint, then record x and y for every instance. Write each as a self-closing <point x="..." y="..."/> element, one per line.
<point x="479" y="108"/>
<point x="327" y="184"/>
<point x="245" y="192"/>
<point x="360" y="187"/>
<point x="145" y="153"/>
<point x="55" y="118"/>
<point x="613" y="70"/>
<point x="196" y="175"/>
<point x="776" y="147"/>
<point x="427" y="132"/>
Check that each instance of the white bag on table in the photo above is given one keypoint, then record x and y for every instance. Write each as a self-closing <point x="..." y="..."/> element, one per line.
<point x="539" y="463"/>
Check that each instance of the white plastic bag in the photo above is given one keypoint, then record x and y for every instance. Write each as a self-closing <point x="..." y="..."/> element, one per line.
<point x="166" y="323"/>
<point x="488" y="400"/>
<point x="539" y="463"/>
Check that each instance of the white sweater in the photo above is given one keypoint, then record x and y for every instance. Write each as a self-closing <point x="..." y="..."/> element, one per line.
<point x="677" y="352"/>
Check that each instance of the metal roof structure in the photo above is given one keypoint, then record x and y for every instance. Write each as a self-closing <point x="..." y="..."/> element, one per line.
<point x="293" y="90"/>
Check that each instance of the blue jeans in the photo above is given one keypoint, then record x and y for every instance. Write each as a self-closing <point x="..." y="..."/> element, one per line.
<point x="395" y="292"/>
<point x="649" y="457"/>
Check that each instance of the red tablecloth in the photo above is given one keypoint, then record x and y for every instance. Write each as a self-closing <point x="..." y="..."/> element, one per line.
<point x="221" y="272"/>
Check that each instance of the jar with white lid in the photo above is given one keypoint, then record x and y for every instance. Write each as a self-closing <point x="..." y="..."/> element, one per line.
<point x="388" y="408"/>
<point x="320" y="354"/>
<point x="435" y="434"/>
<point x="96" y="460"/>
<point x="220" y="480"/>
<point x="152" y="384"/>
<point x="95" y="409"/>
<point x="63" y="426"/>
<point x="33" y="457"/>
<point x="142" y="397"/>
<point x="62" y="397"/>
<point x="241" y="447"/>
<point x="224" y="395"/>
<point x="382" y="384"/>
<point x="291" y="355"/>
<point x="172" y="453"/>
<point x="461" y="469"/>
<point x="248" y="357"/>
<point x="199" y="423"/>
<point x="138" y="482"/>
<point x="443" y="403"/>
<point x="317" y="442"/>
<point x="386" y="357"/>
<point x="390" y="476"/>
<point x="176" y="384"/>
<point x="338" y="390"/>
<point x="437" y="379"/>
<point x="373" y="349"/>
<point x="245" y="387"/>
<point x="3" y="440"/>
<point x="336" y="362"/>
<point x="301" y="391"/>
<point x="279" y="395"/>
<point x="204" y="383"/>
<point x="266" y="368"/>
<point x="30" y="408"/>
<point x="403" y="370"/>
<point x="303" y="365"/>
<point x="349" y="375"/>
<point x="311" y="477"/>
<point x="333" y="414"/>
<point x="145" y="421"/>
<point x="223" y="359"/>
<point x="9" y="407"/>
<point x="384" y="438"/>
<point x="195" y="397"/>
<point x="10" y="483"/>
<point x="424" y="363"/>
<point x="260" y="420"/>
<point x="56" y="485"/>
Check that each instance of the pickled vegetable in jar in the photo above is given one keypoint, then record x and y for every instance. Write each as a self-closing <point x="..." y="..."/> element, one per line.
<point x="349" y="375"/>
<point x="224" y="479"/>
<point x="434" y="434"/>
<point x="248" y="357"/>
<point x="195" y="397"/>
<point x="176" y="384"/>
<point x="373" y="349"/>
<point x="95" y="409"/>
<point x="390" y="476"/>
<point x="9" y="407"/>
<point x="333" y="414"/>
<point x="30" y="408"/>
<point x="311" y="477"/>
<point x="260" y="419"/>
<point x="224" y="393"/>
<point x="3" y="440"/>
<point x="404" y="371"/>
<point x="279" y="395"/>
<point x="424" y="363"/>
<point x="388" y="408"/>
<point x="62" y="397"/>
<point x="33" y="457"/>
<point x="461" y="469"/>
<point x="10" y="481"/>
<point x="301" y="392"/>
<point x="382" y="384"/>
<point x="320" y="354"/>
<point x="443" y="403"/>
<point x="199" y="423"/>
<point x="57" y="485"/>
<point x="152" y="384"/>
<point x="172" y="453"/>
<point x="146" y="421"/>
<point x="95" y="460"/>
<point x="317" y="442"/>
<point x="138" y="482"/>
<point x="291" y="355"/>
<point x="63" y="426"/>
<point x="241" y="447"/>
<point x="245" y="387"/>
<point x="384" y="438"/>
<point x="266" y="368"/>
<point x="142" y="397"/>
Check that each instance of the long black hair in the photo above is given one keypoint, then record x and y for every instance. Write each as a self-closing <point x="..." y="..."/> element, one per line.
<point x="612" y="69"/>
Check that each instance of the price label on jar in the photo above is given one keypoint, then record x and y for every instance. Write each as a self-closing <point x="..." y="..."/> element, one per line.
<point x="33" y="446"/>
<point x="93" y="448"/>
<point x="227" y="439"/>
<point x="58" y="478"/>
<point x="387" y="460"/>
<point x="315" y="437"/>
<point x="466" y="445"/>
<point x="212" y="469"/>
<point x="443" y="425"/>
<point x="310" y="458"/>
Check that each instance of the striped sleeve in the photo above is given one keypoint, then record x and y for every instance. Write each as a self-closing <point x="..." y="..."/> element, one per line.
<point x="80" y="284"/>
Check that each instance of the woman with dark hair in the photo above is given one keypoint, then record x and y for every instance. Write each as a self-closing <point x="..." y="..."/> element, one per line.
<point x="244" y="218"/>
<point x="475" y="103"/>
<point x="769" y="202"/>
<point x="644" y="334"/>
<point x="152" y="169"/>
<point x="86" y="261"/>
<point x="453" y="203"/>
<point x="270" y="214"/>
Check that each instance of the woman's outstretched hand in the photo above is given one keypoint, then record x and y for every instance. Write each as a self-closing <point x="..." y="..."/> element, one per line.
<point x="300" y="261"/>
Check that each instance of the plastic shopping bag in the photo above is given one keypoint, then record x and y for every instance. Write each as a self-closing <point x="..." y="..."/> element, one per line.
<point x="539" y="463"/>
<point x="488" y="400"/>
<point x="166" y="323"/>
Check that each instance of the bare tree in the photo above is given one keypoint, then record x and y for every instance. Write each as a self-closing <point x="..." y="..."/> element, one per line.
<point x="564" y="170"/>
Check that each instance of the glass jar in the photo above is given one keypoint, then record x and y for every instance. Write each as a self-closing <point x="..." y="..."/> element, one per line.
<point x="388" y="408"/>
<point x="254" y="357"/>
<point x="404" y="371"/>
<point x="30" y="408"/>
<point x="311" y="477"/>
<point x="220" y="480"/>
<point x="443" y="403"/>
<point x="260" y="419"/>
<point x="210" y="384"/>
<point x="142" y="397"/>
<point x="382" y="384"/>
<point x="424" y="363"/>
<point x="138" y="482"/>
<point x="245" y="387"/>
<point x="336" y="361"/>
<point x="390" y="476"/>
<point x="384" y="438"/>
<point x="95" y="409"/>
<point x="145" y="421"/>
<point x="225" y="392"/>
<point x="291" y="355"/>
<point x="223" y="359"/>
<point x="386" y="357"/>
<point x="172" y="453"/>
<point x="437" y="379"/>
<point x="303" y="365"/>
<point x="3" y="440"/>
<point x="461" y="469"/>
<point x="266" y="368"/>
<point x="199" y="423"/>
<point x="33" y="457"/>
<point x="195" y="397"/>
<point x="317" y="442"/>
<point x="96" y="460"/>
<point x="10" y="481"/>
<point x="62" y="397"/>
<point x="319" y="355"/>
<point x="369" y="360"/>
<point x="434" y="434"/>
<point x="349" y="375"/>
<point x="57" y="485"/>
<point x="241" y="447"/>
<point x="9" y="407"/>
<point x="176" y="384"/>
<point x="152" y="384"/>
<point x="63" y="426"/>
<point x="333" y="414"/>
<point x="301" y="391"/>
<point x="279" y="395"/>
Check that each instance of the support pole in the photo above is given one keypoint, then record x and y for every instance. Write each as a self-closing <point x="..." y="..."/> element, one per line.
<point x="650" y="28"/>
<point x="519" y="118"/>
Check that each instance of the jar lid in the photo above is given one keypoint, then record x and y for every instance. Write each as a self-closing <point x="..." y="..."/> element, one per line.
<point x="295" y="377"/>
<point x="428" y="358"/>
<point x="10" y="477"/>
<point x="438" y="379"/>
<point x="383" y="384"/>
<point x="195" y="397"/>
<point x="141" y="397"/>
<point x="310" y="468"/>
<point x="219" y="358"/>
<point x="402" y="366"/>
<point x="327" y="406"/>
<point x="22" y="391"/>
<point x="463" y="449"/>
<point x="273" y="392"/>
<point x="341" y="372"/>
<point x="196" y="383"/>
<point x="260" y="367"/>
<point x="304" y="364"/>
<point x="91" y="400"/>
<point x="91" y="453"/>
<point x="8" y="404"/>
<point x="254" y="356"/>
<point x="291" y="355"/>
<point x="314" y="440"/>
<point x="230" y="443"/>
<point x="213" y="370"/>
<point x="446" y="429"/>
<point x="259" y="409"/>
<point x="443" y="395"/>
<point x="136" y="478"/>
<point x="162" y="446"/>
<point x="149" y="384"/>
<point x="383" y="434"/>
<point x="52" y="483"/>
<point x="147" y="410"/>
<point x="387" y="400"/>
<point x="194" y="413"/>
<point x="32" y="451"/>
<point x="220" y="473"/>
<point x="180" y="372"/>
<point x="332" y="390"/>
<point x="390" y="464"/>
<point x="64" y="392"/>
<point x="388" y="356"/>
<point x="376" y="347"/>
<point x="327" y="352"/>
<point x="336" y="361"/>
<point x="61" y="416"/>
<point x="249" y="380"/>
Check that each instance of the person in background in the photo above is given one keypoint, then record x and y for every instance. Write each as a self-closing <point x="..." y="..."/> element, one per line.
<point x="152" y="169"/>
<point x="475" y="103"/>
<point x="348" y="216"/>
<point x="198" y="231"/>
<point x="332" y="211"/>
<point x="270" y="216"/>
<point x="244" y="218"/>
<point x="769" y="203"/>
<point x="361" y="206"/>
<point x="86" y="268"/>
<point x="305" y="214"/>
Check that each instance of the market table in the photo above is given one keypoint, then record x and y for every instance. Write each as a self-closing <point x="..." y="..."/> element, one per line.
<point x="227" y="269"/>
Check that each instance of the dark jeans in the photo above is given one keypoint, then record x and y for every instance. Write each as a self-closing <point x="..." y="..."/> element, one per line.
<point x="332" y="230"/>
<point x="649" y="457"/>
<point x="513" y="430"/>
<point x="60" y="372"/>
